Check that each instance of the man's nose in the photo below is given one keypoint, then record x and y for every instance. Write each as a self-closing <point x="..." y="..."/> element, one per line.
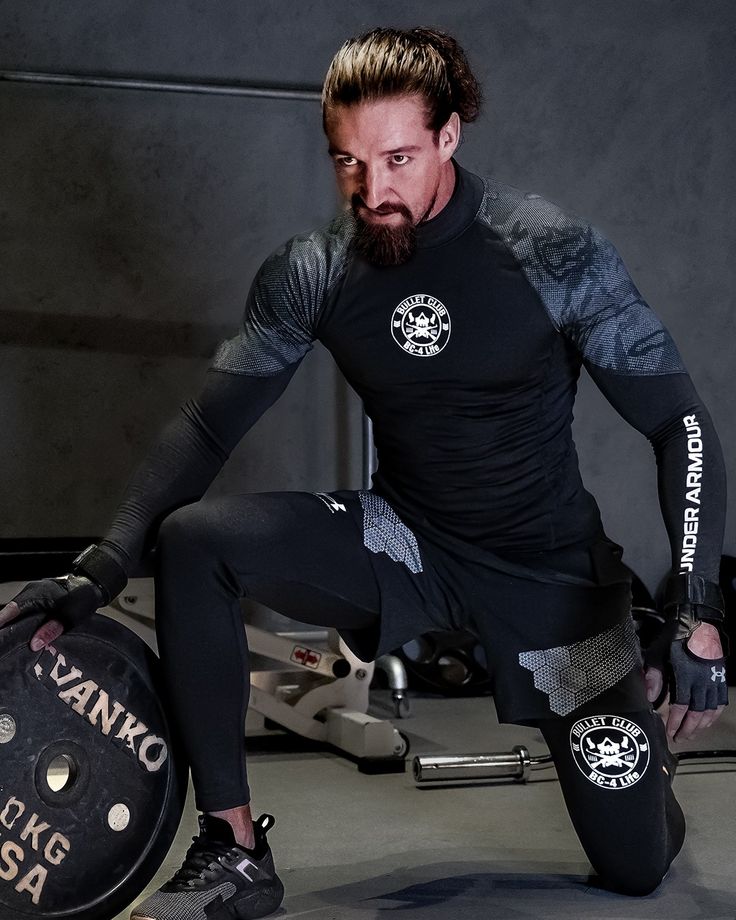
<point x="374" y="186"/>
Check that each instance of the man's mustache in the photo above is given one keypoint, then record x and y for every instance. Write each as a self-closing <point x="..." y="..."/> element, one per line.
<point x="386" y="208"/>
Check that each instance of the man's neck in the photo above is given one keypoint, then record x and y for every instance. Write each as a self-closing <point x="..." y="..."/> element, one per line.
<point x="444" y="190"/>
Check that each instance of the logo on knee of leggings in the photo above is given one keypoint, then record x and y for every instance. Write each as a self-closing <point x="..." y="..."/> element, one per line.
<point x="610" y="751"/>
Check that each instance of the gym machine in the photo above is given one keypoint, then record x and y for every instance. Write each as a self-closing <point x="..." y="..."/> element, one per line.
<point x="318" y="689"/>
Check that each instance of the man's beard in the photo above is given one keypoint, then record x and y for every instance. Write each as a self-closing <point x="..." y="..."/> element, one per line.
<point x="382" y="244"/>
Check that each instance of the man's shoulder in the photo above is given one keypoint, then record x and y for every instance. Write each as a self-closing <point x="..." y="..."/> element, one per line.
<point x="552" y="243"/>
<point x="314" y="253"/>
<point x="514" y="211"/>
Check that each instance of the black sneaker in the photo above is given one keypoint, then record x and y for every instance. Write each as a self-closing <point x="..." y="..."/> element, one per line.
<point x="219" y="880"/>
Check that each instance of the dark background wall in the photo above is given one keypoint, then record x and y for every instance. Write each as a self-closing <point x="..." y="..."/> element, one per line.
<point x="132" y="222"/>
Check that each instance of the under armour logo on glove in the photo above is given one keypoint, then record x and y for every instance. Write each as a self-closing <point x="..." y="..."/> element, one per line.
<point x="692" y="677"/>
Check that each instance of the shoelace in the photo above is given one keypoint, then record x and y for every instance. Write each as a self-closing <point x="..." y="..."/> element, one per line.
<point x="200" y="855"/>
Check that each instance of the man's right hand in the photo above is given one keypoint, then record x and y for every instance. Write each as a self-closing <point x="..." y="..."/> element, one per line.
<point x="67" y="601"/>
<point x="688" y="648"/>
<point x="697" y="682"/>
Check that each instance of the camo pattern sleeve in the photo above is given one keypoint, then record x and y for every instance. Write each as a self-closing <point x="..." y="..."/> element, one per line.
<point x="284" y="303"/>
<point x="582" y="282"/>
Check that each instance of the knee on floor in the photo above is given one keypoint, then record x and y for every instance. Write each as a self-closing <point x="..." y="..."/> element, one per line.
<point x="635" y="880"/>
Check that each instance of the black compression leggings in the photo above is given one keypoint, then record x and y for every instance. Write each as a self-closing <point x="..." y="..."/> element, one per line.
<point x="275" y="548"/>
<point x="267" y="547"/>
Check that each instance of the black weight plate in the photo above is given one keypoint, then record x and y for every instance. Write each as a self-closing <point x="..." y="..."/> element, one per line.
<point x="91" y="704"/>
<point x="449" y="661"/>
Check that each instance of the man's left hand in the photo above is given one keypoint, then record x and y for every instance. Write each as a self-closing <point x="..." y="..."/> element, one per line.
<point x="698" y="690"/>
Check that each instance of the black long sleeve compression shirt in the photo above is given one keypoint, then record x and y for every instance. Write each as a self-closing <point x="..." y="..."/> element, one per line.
<point x="467" y="360"/>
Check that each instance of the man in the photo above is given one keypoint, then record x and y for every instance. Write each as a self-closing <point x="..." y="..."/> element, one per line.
<point x="461" y="311"/>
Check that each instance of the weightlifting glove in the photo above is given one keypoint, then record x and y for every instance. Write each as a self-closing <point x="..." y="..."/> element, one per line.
<point x="95" y="580"/>
<point x="698" y="683"/>
<point x="695" y="682"/>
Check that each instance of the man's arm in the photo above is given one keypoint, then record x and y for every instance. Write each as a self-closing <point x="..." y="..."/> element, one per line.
<point x="188" y="455"/>
<point x="692" y="489"/>
<point x="248" y="374"/>
<point x="690" y="470"/>
<point x="590" y="299"/>
<point x="177" y="470"/>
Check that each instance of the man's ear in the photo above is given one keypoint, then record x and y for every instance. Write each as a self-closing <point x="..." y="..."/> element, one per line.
<point x="448" y="137"/>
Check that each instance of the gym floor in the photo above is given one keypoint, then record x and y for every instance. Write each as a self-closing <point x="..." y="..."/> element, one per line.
<point x="351" y="846"/>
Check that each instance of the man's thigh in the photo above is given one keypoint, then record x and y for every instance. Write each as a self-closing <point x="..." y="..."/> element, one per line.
<point x="340" y="559"/>
<point x="554" y="649"/>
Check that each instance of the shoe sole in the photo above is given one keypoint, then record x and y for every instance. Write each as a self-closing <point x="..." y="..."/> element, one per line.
<point x="259" y="903"/>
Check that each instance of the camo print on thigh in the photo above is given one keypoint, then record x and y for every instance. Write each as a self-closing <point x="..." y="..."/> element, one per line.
<point x="384" y="532"/>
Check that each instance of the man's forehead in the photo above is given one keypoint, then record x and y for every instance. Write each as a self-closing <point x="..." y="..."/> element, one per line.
<point x="384" y="125"/>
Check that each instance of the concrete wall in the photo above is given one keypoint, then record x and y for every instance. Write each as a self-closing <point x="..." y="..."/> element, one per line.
<point x="132" y="222"/>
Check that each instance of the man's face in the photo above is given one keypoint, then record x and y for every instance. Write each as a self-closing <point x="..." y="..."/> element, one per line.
<point x="393" y="170"/>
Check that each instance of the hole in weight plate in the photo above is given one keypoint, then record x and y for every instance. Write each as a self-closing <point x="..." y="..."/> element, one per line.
<point x="61" y="772"/>
<point x="7" y="728"/>
<point x="453" y="670"/>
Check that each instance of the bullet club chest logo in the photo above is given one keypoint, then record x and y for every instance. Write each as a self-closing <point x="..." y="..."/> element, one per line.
<point x="420" y="325"/>
<point x="610" y="751"/>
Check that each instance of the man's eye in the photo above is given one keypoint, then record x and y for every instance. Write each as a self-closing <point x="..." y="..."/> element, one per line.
<point x="346" y="161"/>
<point x="399" y="159"/>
